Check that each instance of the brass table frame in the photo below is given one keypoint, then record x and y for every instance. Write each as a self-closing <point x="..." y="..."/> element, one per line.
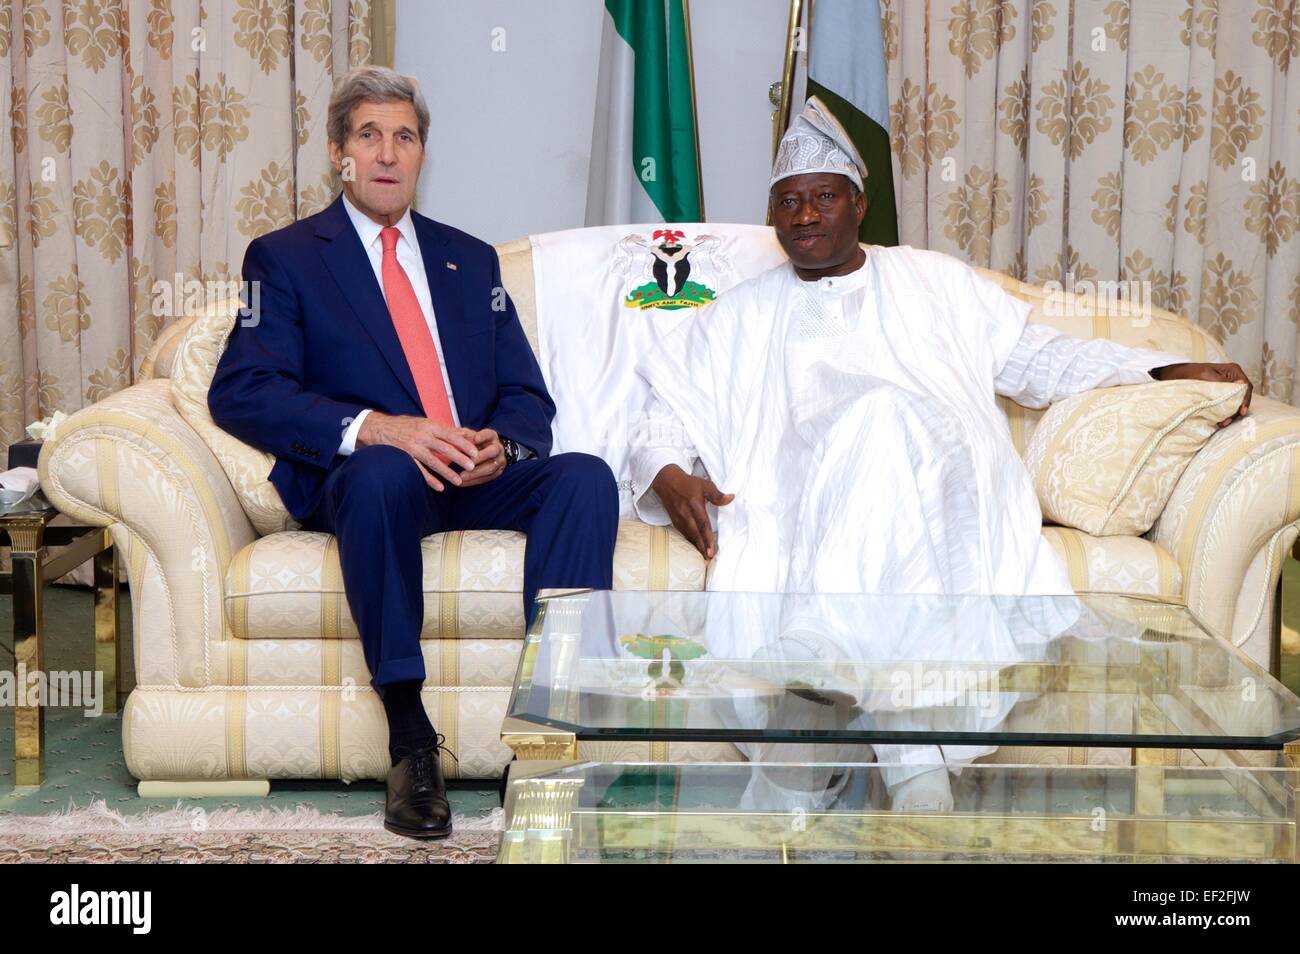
<point x="28" y="536"/>
<point x="546" y="814"/>
<point x="1275" y="623"/>
<point x="540" y="827"/>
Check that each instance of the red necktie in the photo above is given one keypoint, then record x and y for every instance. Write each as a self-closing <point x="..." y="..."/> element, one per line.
<point x="413" y="332"/>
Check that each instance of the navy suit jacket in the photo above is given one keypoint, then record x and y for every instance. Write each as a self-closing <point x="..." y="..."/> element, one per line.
<point x="322" y="348"/>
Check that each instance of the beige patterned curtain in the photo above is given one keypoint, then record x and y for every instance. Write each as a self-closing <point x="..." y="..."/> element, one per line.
<point x="150" y="140"/>
<point x="1153" y="142"/>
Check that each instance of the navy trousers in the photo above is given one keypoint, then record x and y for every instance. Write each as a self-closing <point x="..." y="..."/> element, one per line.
<point x="377" y="503"/>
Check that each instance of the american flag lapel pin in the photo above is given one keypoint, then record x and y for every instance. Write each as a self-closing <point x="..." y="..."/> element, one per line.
<point x="453" y="266"/>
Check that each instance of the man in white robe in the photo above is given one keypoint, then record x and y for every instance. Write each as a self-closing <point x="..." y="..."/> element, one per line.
<point x="830" y="426"/>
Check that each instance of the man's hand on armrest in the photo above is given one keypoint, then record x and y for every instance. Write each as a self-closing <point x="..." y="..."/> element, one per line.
<point x="684" y="497"/>
<point x="433" y="447"/>
<point x="1194" y="371"/>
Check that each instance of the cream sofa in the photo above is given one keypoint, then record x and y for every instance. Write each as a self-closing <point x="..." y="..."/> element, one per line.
<point x="247" y="659"/>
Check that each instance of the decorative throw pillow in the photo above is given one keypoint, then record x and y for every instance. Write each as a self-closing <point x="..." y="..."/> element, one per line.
<point x="1106" y="461"/>
<point x="245" y="466"/>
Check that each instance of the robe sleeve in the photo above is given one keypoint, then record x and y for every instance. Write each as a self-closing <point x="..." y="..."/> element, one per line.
<point x="658" y="439"/>
<point x="988" y="318"/>
<point x="1046" y="365"/>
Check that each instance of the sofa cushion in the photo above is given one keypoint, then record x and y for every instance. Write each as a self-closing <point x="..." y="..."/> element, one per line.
<point x="247" y="468"/>
<point x="477" y="663"/>
<point x="288" y="585"/>
<point x="1127" y="565"/>
<point x="1106" y="461"/>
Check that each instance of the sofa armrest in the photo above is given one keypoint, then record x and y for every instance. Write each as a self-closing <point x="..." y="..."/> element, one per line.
<point x="1239" y="497"/>
<point x="132" y="463"/>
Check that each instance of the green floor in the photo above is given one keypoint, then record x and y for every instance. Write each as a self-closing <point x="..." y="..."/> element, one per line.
<point x="84" y="756"/>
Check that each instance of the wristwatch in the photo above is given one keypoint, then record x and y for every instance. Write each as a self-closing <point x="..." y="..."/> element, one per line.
<point x="512" y="450"/>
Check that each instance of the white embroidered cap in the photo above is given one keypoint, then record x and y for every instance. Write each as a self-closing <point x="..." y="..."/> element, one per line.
<point x="816" y="142"/>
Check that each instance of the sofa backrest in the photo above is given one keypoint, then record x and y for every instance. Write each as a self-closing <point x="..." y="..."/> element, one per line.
<point x="1100" y="314"/>
<point x="187" y="352"/>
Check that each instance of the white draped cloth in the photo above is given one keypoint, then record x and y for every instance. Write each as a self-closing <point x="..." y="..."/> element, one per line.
<point x="855" y="420"/>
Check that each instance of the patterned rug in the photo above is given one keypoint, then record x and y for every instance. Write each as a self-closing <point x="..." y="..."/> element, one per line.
<point x="303" y="834"/>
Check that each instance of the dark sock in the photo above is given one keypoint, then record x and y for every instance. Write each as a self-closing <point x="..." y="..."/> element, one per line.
<point x="409" y="727"/>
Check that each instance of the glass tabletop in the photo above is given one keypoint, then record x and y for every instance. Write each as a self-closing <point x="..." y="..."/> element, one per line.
<point x="849" y="669"/>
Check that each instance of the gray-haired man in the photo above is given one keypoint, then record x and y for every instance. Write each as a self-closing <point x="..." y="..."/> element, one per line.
<point x="390" y="377"/>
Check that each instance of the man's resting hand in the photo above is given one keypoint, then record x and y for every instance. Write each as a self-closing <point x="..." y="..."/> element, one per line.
<point x="1196" y="371"/>
<point x="491" y="460"/>
<point x="433" y="447"/>
<point x="684" y="497"/>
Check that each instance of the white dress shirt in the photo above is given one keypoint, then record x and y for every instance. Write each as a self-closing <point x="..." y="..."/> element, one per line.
<point x="412" y="262"/>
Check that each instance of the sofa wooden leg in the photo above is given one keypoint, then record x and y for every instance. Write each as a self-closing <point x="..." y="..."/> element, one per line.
<point x="216" y="788"/>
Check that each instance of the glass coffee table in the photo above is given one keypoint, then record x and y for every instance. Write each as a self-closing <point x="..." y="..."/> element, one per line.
<point x="818" y="711"/>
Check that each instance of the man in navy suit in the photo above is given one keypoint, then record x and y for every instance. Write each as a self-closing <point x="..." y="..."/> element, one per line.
<point x="388" y="373"/>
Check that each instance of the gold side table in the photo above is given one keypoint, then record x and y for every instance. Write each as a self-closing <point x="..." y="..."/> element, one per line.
<point x="28" y="535"/>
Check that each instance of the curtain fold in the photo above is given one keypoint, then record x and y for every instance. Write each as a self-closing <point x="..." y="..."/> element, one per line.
<point x="150" y="141"/>
<point x="1150" y="143"/>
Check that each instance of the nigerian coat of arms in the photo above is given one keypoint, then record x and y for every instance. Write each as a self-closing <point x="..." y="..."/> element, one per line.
<point x="667" y="271"/>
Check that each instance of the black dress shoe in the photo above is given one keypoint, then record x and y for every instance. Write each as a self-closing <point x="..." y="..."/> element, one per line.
<point x="416" y="801"/>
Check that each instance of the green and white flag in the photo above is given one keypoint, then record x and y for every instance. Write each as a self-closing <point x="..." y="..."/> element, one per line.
<point x="846" y="69"/>
<point x="644" y="154"/>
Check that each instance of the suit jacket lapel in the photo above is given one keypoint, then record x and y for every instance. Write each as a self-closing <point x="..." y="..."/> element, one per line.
<point x="348" y="262"/>
<point x="447" y="294"/>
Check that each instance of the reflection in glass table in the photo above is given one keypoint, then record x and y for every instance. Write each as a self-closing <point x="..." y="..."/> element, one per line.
<point x="832" y="698"/>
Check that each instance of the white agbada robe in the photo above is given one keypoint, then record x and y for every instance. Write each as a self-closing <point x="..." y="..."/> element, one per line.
<point x="855" y="420"/>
